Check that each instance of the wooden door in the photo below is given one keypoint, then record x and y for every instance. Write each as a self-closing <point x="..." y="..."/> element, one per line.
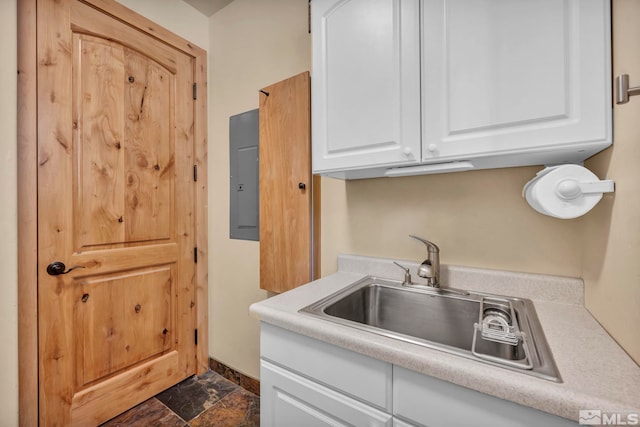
<point x="288" y="241"/>
<point x="116" y="206"/>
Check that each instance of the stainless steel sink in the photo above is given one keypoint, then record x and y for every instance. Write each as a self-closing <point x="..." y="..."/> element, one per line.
<point x="502" y="331"/>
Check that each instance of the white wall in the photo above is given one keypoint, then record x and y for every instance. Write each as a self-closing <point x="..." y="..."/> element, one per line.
<point x="477" y="218"/>
<point x="176" y="16"/>
<point x="8" y="215"/>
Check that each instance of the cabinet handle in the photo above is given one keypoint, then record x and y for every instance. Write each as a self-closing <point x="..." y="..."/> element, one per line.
<point x="302" y="185"/>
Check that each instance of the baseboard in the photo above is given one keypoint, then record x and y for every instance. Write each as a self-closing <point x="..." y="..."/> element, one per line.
<point x="250" y="384"/>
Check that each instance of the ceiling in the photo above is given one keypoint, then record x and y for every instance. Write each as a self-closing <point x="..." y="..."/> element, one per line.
<point x="208" y="7"/>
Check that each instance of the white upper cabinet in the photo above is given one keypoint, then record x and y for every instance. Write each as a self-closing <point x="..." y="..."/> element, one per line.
<point x="507" y="77"/>
<point x="365" y="83"/>
<point x="500" y="83"/>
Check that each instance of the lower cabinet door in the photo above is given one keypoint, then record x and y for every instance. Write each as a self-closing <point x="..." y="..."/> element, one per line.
<point x="428" y="401"/>
<point x="289" y="400"/>
<point x="400" y="423"/>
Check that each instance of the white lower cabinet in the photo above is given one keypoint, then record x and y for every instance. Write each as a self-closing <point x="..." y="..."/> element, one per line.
<point x="290" y="400"/>
<point x="431" y="402"/>
<point x="399" y="423"/>
<point x="307" y="382"/>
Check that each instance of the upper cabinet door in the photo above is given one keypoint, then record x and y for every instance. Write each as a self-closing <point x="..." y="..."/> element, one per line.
<point x="515" y="76"/>
<point x="366" y="83"/>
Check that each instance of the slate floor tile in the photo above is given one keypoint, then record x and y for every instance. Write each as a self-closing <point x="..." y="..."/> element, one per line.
<point x="194" y="395"/>
<point x="238" y="409"/>
<point x="150" y="413"/>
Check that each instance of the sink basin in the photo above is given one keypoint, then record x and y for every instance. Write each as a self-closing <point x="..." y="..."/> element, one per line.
<point x="506" y="334"/>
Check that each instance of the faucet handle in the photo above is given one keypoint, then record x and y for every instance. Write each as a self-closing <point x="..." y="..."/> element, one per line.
<point x="430" y="245"/>
<point x="407" y="274"/>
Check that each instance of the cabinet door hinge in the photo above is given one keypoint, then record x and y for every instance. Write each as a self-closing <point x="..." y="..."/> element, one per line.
<point x="195" y="91"/>
<point x="195" y="173"/>
<point x="195" y="336"/>
<point x="195" y="255"/>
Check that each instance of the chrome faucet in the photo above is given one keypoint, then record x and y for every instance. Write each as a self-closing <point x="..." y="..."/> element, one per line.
<point x="430" y="267"/>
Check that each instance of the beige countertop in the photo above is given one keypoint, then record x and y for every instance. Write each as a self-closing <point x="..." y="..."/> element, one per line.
<point x="596" y="372"/>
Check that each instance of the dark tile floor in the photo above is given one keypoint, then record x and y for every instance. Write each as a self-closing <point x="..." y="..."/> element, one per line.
<point x="207" y="400"/>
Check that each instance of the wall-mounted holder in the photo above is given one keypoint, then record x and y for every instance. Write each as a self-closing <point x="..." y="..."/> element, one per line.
<point x="623" y="91"/>
<point x="566" y="191"/>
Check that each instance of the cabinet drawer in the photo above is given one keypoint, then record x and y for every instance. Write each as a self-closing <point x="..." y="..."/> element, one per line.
<point x="351" y="373"/>
<point x="292" y="401"/>
<point x="436" y="403"/>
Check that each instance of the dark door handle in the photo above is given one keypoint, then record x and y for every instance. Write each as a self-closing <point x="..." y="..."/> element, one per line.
<point x="302" y="185"/>
<point x="56" y="268"/>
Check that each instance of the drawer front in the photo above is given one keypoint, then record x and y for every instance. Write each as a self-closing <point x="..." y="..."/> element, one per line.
<point x="436" y="403"/>
<point x="290" y="400"/>
<point x="351" y="373"/>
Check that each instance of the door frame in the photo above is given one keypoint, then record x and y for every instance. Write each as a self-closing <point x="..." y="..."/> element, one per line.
<point x="28" y="192"/>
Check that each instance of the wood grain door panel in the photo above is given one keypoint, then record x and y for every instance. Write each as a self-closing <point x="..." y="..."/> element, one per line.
<point x="115" y="197"/>
<point x="85" y="19"/>
<point x="125" y="158"/>
<point x="285" y="184"/>
<point x="122" y="319"/>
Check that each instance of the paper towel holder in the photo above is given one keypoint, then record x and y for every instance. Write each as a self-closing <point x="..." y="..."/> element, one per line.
<point x="565" y="191"/>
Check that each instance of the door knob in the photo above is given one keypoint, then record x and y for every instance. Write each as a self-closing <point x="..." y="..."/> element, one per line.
<point x="56" y="268"/>
<point x="302" y="185"/>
